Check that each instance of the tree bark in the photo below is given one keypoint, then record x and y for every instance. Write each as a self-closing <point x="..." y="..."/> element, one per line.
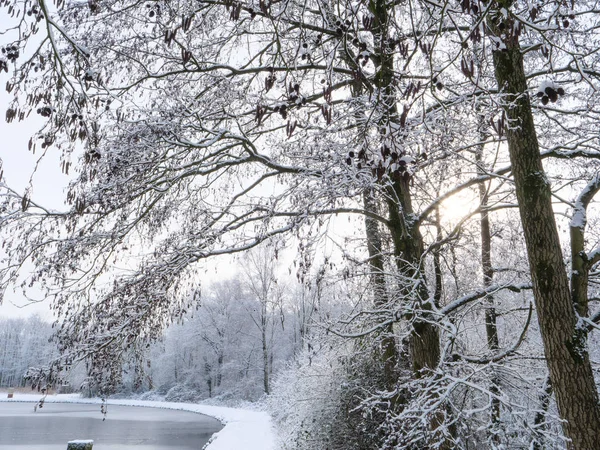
<point x="491" y="329"/>
<point x="408" y="248"/>
<point x="424" y="340"/>
<point x="581" y="263"/>
<point x="389" y="350"/>
<point x="265" y="354"/>
<point x="406" y="236"/>
<point x="565" y="349"/>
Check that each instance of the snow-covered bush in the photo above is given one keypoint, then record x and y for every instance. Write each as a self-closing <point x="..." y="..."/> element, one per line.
<point x="183" y="393"/>
<point x="316" y="401"/>
<point x="306" y="400"/>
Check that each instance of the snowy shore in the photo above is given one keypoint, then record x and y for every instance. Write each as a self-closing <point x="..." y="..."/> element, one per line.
<point x="243" y="429"/>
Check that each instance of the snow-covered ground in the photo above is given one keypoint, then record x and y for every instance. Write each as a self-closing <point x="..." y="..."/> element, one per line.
<point x="244" y="429"/>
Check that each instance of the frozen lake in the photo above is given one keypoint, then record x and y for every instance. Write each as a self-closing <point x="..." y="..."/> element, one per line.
<point x="125" y="427"/>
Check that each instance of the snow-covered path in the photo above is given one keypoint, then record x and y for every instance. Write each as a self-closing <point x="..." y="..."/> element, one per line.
<point x="244" y="429"/>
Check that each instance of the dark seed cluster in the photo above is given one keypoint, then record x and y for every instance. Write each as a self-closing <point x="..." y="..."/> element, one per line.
<point x="35" y="12"/>
<point x="270" y="81"/>
<point x="304" y="54"/>
<point x="11" y="52"/>
<point x="281" y="109"/>
<point x="153" y="9"/>
<point x="45" y="111"/>
<point x="363" y="55"/>
<point x="342" y="27"/>
<point x="565" y="20"/>
<point x="48" y="140"/>
<point x="92" y="156"/>
<point x="550" y="94"/>
<point x="400" y="166"/>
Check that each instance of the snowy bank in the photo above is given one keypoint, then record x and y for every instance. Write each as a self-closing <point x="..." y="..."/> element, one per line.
<point x="243" y="430"/>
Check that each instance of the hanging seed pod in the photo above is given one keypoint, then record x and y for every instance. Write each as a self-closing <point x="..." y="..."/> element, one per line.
<point x="269" y="82"/>
<point x="533" y="13"/>
<point x="186" y="23"/>
<point x="25" y="202"/>
<point x="291" y="126"/>
<point x="186" y="56"/>
<point x="10" y="114"/>
<point x="326" y="110"/>
<point x="260" y="112"/>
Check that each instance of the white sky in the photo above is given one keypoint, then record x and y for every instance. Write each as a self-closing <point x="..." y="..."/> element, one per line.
<point x="19" y="166"/>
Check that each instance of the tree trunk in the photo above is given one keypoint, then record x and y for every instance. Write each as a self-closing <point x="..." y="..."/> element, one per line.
<point x="406" y="236"/>
<point x="389" y="350"/>
<point x="581" y="264"/>
<point x="564" y="344"/>
<point x="407" y="240"/>
<point x="265" y="354"/>
<point x="408" y="248"/>
<point x="208" y="375"/>
<point x="220" y="359"/>
<point x="437" y="261"/>
<point x="491" y="328"/>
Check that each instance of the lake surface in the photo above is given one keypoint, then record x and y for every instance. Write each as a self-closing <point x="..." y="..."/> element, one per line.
<point x="125" y="427"/>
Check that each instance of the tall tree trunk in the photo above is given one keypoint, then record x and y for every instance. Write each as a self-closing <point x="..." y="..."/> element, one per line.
<point x="208" y="375"/>
<point x="424" y="340"/>
<point x="581" y="262"/>
<point x="265" y="355"/>
<point x="564" y="344"/>
<point x="406" y="236"/>
<point x="149" y="375"/>
<point x="491" y="329"/>
<point x="408" y="248"/>
<point x="220" y="359"/>
<point x="437" y="261"/>
<point x="389" y="350"/>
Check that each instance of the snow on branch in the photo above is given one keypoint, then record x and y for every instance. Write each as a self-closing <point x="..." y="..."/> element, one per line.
<point x="499" y="356"/>
<point x="462" y="301"/>
<point x="579" y="217"/>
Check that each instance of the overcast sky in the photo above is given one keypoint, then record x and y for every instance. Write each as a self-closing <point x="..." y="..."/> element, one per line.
<point x="19" y="170"/>
<point x="19" y="167"/>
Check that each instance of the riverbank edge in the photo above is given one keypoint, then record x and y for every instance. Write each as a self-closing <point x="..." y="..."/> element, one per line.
<point x="243" y="429"/>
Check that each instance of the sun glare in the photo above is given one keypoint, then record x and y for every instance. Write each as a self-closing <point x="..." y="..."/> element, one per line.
<point x="455" y="208"/>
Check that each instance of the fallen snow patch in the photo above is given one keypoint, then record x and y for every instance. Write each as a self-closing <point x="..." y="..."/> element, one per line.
<point x="243" y="428"/>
